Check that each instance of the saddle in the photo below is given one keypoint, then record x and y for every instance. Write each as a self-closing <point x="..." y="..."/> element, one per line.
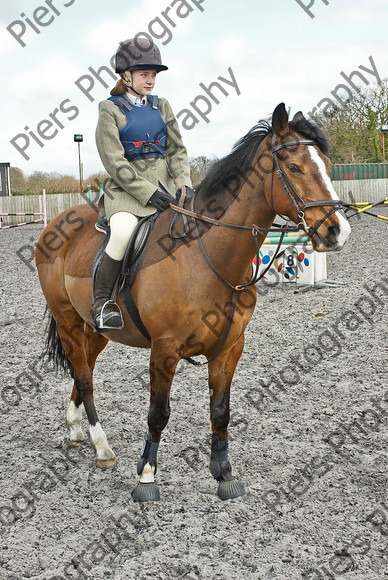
<point x="131" y="263"/>
<point x="134" y="255"/>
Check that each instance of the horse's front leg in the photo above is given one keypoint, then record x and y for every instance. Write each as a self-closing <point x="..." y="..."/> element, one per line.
<point x="221" y="372"/>
<point x="163" y="362"/>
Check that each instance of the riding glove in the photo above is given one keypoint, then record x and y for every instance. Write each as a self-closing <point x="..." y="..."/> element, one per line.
<point x="161" y="200"/>
<point x="189" y="193"/>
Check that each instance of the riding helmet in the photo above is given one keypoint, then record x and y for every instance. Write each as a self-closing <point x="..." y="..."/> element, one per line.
<point x="138" y="54"/>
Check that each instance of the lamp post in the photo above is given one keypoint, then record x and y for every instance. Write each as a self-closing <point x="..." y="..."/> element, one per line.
<point x="79" y="139"/>
<point x="384" y="129"/>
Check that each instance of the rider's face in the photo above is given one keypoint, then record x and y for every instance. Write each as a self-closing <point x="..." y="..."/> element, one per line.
<point x="143" y="81"/>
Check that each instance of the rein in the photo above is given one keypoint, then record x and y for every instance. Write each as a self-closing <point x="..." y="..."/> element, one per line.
<point x="300" y="206"/>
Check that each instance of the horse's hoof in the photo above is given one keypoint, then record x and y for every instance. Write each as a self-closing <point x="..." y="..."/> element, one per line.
<point x="146" y="492"/>
<point x="106" y="463"/>
<point x="76" y="442"/>
<point x="230" y="489"/>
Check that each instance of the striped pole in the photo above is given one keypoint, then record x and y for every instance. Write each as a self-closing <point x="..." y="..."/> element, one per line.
<point x="286" y="240"/>
<point x="21" y="224"/>
<point x="287" y="235"/>
<point x="43" y="215"/>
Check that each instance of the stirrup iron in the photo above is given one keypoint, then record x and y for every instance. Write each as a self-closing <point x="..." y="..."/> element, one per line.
<point x="99" y="318"/>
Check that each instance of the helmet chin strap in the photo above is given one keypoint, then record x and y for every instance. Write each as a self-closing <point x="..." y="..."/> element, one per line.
<point x="128" y="83"/>
<point x="132" y="89"/>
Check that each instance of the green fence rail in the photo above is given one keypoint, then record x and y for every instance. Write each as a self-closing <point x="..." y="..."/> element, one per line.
<point x="350" y="171"/>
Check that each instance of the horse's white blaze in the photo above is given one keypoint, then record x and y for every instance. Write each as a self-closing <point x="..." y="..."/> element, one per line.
<point x="344" y="226"/>
<point x="148" y="474"/>
<point x="73" y="422"/>
<point x="100" y="442"/>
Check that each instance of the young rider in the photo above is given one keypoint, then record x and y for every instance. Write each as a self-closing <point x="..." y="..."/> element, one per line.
<point x="141" y="148"/>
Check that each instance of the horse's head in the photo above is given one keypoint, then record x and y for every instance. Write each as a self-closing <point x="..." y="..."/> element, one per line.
<point x="299" y="186"/>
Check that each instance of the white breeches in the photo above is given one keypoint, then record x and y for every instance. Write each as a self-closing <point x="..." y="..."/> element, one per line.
<point x="122" y="225"/>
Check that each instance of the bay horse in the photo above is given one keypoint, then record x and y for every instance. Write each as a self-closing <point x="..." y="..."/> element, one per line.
<point x="279" y="168"/>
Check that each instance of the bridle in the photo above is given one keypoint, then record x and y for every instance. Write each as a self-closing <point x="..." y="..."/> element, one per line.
<point x="299" y="204"/>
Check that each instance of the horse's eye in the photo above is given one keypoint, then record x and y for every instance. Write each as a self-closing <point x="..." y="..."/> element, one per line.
<point x="294" y="168"/>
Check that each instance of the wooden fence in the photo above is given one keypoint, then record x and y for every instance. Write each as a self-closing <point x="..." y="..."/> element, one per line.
<point x="357" y="190"/>
<point x="362" y="189"/>
<point x="56" y="203"/>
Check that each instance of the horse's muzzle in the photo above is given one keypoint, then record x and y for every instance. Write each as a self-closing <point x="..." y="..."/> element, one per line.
<point x="334" y="238"/>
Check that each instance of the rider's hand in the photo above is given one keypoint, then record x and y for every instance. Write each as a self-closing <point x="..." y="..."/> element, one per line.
<point x="189" y="192"/>
<point x="161" y="200"/>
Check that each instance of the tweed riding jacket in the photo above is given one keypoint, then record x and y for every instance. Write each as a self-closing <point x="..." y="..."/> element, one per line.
<point x="132" y="183"/>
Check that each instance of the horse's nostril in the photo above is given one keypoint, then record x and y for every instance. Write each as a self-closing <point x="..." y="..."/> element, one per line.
<point x="333" y="234"/>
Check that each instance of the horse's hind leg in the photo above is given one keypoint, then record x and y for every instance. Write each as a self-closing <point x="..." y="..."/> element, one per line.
<point x="221" y="372"/>
<point x="94" y="344"/>
<point x="82" y="348"/>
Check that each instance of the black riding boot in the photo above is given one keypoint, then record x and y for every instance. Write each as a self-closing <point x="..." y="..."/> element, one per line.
<point x="104" y="314"/>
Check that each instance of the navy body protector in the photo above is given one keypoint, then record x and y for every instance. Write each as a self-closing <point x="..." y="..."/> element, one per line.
<point x="145" y="133"/>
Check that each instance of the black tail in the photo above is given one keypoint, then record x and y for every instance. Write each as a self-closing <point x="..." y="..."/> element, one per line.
<point x="53" y="347"/>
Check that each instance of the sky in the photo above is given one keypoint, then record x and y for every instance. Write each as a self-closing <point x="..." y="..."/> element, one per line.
<point x="265" y="52"/>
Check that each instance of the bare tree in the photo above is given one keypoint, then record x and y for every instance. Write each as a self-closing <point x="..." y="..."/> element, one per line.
<point x="355" y="129"/>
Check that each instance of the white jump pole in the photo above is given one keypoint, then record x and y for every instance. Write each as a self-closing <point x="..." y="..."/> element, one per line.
<point x="44" y="209"/>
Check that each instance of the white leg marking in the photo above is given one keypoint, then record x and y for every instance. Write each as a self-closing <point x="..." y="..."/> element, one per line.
<point x="344" y="225"/>
<point x="73" y="422"/>
<point x="100" y="442"/>
<point x="148" y="474"/>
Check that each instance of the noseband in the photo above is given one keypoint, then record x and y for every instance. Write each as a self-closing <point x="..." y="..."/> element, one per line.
<point x="299" y="204"/>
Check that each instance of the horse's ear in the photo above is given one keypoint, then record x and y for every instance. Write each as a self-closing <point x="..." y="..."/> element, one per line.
<point x="280" y="120"/>
<point x="298" y="116"/>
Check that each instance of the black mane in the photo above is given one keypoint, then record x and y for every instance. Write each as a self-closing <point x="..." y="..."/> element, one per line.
<point x="312" y="131"/>
<point x="239" y="160"/>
